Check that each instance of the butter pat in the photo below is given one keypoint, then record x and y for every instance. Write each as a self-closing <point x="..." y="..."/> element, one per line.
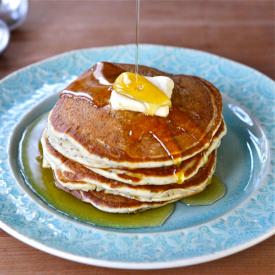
<point x="121" y="101"/>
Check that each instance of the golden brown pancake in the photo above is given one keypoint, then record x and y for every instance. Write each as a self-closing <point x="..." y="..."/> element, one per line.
<point x="125" y="161"/>
<point x="186" y="168"/>
<point x="193" y="120"/>
<point x="166" y="174"/>
<point x="111" y="203"/>
<point x="74" y="176"/>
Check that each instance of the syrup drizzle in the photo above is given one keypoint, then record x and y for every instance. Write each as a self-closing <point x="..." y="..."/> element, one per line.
<point x="176" y="162"/>
<point x="137" y="37"/>
<point x="101" y="74"/>
<point x="89" y="86"/>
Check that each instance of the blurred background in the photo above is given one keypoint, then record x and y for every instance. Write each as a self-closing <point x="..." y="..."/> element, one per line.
<point x="242" y="30"/>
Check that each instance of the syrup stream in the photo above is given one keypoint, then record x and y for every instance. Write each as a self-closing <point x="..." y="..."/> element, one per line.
<point x="137" y="37"/>
<point x="136" y="74"/>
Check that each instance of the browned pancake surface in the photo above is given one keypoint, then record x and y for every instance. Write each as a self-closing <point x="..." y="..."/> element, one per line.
<point x="169" y="170"/>
<point x="79" y="172"/>
<point x="193" y="119"/>
<point x="100" y="198"/>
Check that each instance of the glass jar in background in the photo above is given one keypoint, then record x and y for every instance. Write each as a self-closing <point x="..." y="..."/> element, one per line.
<point x="12" y="15"/>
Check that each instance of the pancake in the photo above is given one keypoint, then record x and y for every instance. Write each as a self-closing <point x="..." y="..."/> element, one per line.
<point x="168" y="174"/>
<point x="84" y="128"/>
<point x="163" y="175"/>
<point x="111" y="203"/>
<point x="74" y="176"/>
<point x="124" y="161"/>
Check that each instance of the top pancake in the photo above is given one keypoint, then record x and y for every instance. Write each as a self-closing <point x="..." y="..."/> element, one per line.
<point x="102" y="137"/>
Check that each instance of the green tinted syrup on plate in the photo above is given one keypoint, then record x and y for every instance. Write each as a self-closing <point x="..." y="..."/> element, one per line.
<point x="213" y="192"/>
<point x="41" y="182"/>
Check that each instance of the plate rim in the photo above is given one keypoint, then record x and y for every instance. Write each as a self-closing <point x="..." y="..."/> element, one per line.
<point x="130" y="45"/>
<point x="134" y="265"/>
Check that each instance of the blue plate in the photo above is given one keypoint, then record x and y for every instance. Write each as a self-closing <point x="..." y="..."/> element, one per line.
<point x="246" y="164"/>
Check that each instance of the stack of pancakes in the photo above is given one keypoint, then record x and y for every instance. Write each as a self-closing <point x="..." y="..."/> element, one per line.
<point x="124" y="161"/>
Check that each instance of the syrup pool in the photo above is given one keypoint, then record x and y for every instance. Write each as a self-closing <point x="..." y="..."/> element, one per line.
<point x="41" y="181"/>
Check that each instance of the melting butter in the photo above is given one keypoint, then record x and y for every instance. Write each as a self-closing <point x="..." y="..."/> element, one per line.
<point x="150" y="95"/>
<point x="139" y="88"/>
